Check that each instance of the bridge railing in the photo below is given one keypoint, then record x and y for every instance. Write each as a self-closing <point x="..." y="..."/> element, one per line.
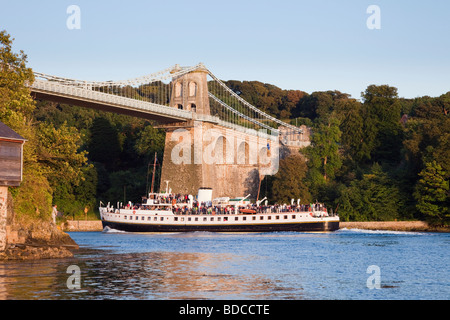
<point x="100" y="97"/>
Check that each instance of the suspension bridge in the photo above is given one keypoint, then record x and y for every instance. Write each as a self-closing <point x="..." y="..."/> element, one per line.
<point x="195" y="100"/>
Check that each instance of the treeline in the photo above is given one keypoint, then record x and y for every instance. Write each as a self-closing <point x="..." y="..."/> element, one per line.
<point x="381" y="158"/>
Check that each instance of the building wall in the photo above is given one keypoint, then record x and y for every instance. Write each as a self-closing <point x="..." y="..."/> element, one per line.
<point x="3" y="215"/>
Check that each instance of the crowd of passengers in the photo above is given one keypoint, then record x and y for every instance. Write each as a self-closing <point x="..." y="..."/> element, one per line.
<point x="180" y="205"/>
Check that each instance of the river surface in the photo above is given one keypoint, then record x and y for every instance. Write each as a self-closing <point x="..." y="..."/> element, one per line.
<point x="346" y="264"/>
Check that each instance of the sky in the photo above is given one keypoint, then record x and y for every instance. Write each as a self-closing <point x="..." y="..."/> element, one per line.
<point x="302" y="45"/>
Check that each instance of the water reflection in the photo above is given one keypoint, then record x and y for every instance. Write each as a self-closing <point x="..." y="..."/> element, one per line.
<point x="154" y="275"/>
<point x="28" y="280"/>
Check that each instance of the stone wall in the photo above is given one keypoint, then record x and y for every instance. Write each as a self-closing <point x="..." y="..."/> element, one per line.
<point x="206" y="155"/>
<point x="3" y="215"/>
<point x="82" y="225"/>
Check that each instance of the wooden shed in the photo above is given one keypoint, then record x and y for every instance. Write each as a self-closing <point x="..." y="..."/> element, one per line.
<point x="11" y="156"/>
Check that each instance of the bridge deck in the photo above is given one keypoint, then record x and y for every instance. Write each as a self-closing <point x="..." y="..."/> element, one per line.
<point x="52" y="91"/>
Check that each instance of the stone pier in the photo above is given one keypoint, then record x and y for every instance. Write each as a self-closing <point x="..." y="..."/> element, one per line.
<point x="207" y="154"/>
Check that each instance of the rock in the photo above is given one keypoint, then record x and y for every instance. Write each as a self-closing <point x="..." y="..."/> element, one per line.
<point x="36" y="239"/>
<point x="25" y="252"/>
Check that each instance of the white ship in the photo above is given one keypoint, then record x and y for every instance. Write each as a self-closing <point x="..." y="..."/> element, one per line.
<point x="165" y="212"/>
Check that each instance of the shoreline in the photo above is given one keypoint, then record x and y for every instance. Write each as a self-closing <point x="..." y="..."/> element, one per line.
<point x="413" y="226"/>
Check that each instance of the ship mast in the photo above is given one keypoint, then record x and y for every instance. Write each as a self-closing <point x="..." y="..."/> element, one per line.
<point x="153" y="175"/>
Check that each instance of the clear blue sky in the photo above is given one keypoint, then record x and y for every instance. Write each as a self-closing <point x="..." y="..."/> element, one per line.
<point x="306" y="45"/>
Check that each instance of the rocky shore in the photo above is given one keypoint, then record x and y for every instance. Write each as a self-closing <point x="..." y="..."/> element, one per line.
<point x="413" y="226"/>
<point x="36" y="239"/>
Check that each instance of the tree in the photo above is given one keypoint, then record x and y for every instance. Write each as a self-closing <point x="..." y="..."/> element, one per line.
<point x="16" y="103"/>
<point x="149" y="141"/>
<point x="50" y="155"/>
<point x="323" y="155"/>
<point x="104" y="145"/>
<point x="289" y="182"/>
<point x="432" y="194"/>
<point x="349" y="112"/>
<point x="58" y="153"/>
<point x="14" y="95"/>
<point x="290" y="101"/>
<point x="33" y="197"/>
<point x="374" y="197"/>
<point x="383" y="113"/>
<point x="427" y="134"/>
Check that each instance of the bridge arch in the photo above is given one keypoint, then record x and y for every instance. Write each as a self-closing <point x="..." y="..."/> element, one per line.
<point x="178" y="89"/>
<point x="192" y="89"/>
<point x="223" y="150"/>
<point x="192" y="107"/>
<point x="264" y="155"/>
<point x="243" y="153"/>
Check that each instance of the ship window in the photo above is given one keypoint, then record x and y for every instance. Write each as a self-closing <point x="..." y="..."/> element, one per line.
<point x="269" y="218"/>
<point x="137" y="217"/>
<point x="225" y="218"/>
<point x="143" y="218"/>
<point x="162" y="219"/>
<point x="189" y="219"/>
<point x="219" y="219"/>
<point x="212" y="219"/>
<point x="236" y="218"/>
<point x="182" y="218"/>
<point x="293" y="216"/>
<point x="175" y="219"/>
<point x="278" y="217"/>
<point x="149" y="218"/>
<point x="285" y="217"/>
<point x="244" y="218"/>
<point x="253" y="218"/>
<point x="125" y="217"/>
<point x="155" y="218"/>
<point x="196" y="219"/>
<point x="261" y="218"/>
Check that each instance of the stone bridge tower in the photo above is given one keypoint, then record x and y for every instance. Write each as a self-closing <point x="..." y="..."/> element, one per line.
<point x="204" y="154"/>
<point x="190" y="92"/>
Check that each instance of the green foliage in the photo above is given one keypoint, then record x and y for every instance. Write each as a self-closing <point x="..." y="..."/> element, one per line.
<point x="34" y="196"/>
<point x="373" y="197"/>
<point x="289" y="182"/>
<point x="51" y="156"/>
<point x="268" y="98"/>
<point x="149" y="141"/>
<point x="383" y="113"/>
<point x="58" y="153"/>
<point x="432" y="194"/>
<point x="323" y="155"/>
<point x="104" y="145"/>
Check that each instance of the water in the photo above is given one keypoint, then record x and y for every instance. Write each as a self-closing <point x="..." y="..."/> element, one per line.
<point x="117" y="265"/>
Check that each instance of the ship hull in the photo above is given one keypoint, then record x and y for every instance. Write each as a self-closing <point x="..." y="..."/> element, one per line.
<point x="317" y="226"/>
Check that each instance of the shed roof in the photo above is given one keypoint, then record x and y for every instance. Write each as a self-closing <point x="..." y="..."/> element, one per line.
<point x="9" y="134"/>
